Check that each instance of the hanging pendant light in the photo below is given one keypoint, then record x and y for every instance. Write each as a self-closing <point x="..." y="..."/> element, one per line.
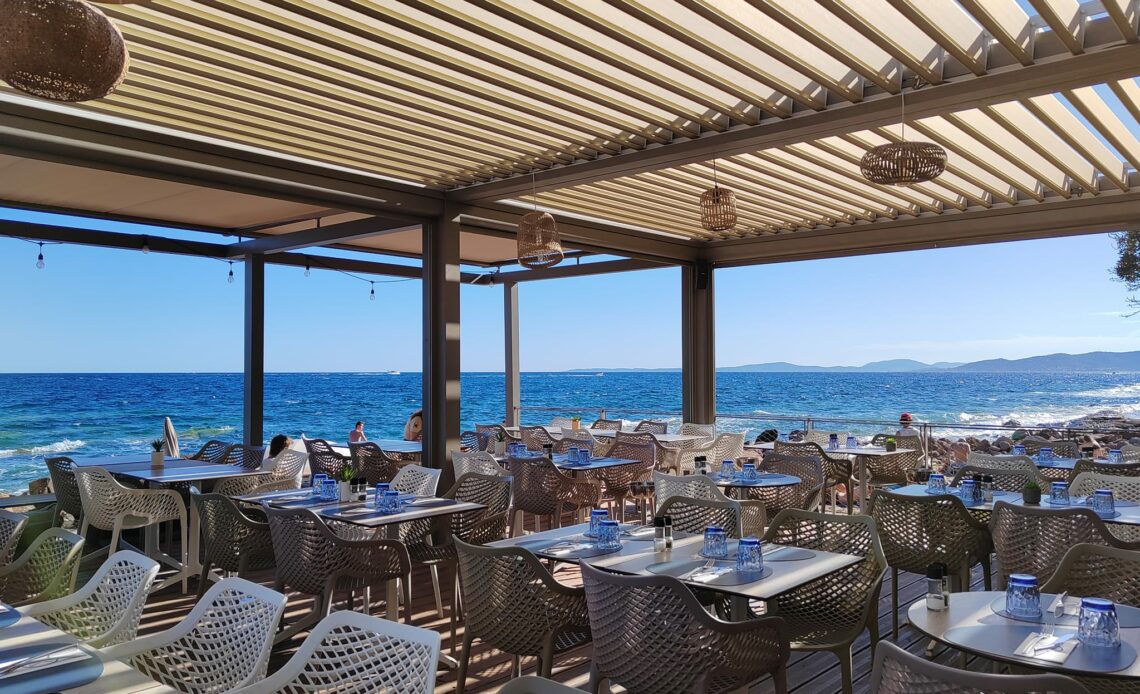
<point x="538" y="242"/>
<point x="718" y="207"/>
<point x="63" y="50"/>
<point x="902" y="163"/>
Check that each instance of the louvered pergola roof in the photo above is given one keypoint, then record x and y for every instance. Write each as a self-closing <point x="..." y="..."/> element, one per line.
<point x="613" y="110"/>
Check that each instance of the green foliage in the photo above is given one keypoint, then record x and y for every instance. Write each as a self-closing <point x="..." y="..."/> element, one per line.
<point x="157" y="445"/>
<point x="1031" y="485"/>
<point x="1127" y="268"/>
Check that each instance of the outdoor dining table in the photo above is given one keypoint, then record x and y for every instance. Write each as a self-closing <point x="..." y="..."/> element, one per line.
<point x="972" y="624"/>
<point x="562" y="462"/>
<point x="1053" y="463"/>
<point x="763" y="479"/>
<point x="389" y="446"/>
<point x="665" y="439"/>
<point x="790" y="567"/>
<point x="1127" y="511"/>
<point x="97" y="675"/>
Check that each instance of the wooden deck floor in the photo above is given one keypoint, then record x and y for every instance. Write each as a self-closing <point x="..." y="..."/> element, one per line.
<point x="815" y="673"/>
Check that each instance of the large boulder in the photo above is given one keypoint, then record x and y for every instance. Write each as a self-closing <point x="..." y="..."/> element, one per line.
<point x="40" y="486"/>
<point x="960" y="451"/>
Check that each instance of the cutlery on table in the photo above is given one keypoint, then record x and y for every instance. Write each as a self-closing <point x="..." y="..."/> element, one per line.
<point x="46" y="655"/>
<point x="688" y="575"/>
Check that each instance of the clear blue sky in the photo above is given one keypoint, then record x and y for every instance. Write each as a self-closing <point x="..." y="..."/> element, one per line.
<point x="95" y="309"/>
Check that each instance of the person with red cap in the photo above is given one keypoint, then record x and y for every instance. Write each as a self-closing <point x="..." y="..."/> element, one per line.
<point x="905" y="429"/>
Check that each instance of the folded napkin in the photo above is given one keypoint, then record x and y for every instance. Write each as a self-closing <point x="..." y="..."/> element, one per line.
<point x="706" y="575"/>
<point x="1055" y="648"/>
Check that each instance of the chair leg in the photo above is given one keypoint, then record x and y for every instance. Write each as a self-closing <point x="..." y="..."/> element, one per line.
<point x="454" y="608"/>
<point x="434" y="569"/>
<point x="596" y="680"/>
<point x="780" y="679"/>
<point x="845" y="666"/>
<point x="407" y="583"/>
<point x="185" y="555"/>
<point x="987" y="579"/>
<point x="204" y="577"/>
<point x="546" y="660"/>
<point x="894" y="604"/>
<point x="464" y="657"/>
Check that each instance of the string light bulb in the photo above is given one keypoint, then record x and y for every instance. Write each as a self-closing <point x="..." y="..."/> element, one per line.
<point x="146" y="245"/>
<point x="372" y="292"/>
<point x="40" y="257"/>
<point x="230" y="278"/>
<point x="307" y="272"/>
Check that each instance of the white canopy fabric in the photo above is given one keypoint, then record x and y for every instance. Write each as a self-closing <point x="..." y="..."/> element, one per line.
<point x="171" y="437"/>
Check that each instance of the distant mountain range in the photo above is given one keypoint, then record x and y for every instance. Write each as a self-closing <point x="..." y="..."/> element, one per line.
<point x="1091" y="361"/>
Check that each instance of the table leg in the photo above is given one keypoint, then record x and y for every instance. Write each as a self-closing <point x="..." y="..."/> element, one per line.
<point x="862" y="459"/>
<point x="194" y="566"/>
<point x="739" y="608"/>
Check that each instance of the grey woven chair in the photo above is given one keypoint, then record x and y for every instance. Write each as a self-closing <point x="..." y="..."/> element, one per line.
<point x="213" y="451"/>
<point x="477" y="527"/>
<point x="536" y="437"/>
<point x="1122" y="487"/>
<point x="831" y="612"/>
<point x="807" y="495"/>
<point x="663" y="457"/>
<point x="898" y="672"/>
<point x="1099" y="571"/>
<point x="241" y="455"/>
<point x="416" y="479"/>
<point x="694" y="515"/>
<point x="323" y="459"/>
<point x="916" y="531"/>
<point x="1034" y="540"/>
<point x="652" y="427"/>
<point x="708" y="431"/>
<point x="234" y="539"/>
<point x="666" y="485"/>
<point x="651" y="635"/>
<point x="618" y="479"/>
<point x="536" y="685"/>
<point x="1130" y="453"/>
<point x="471" y="441"/>
<point x="892" y="469"/>
<point x="45" y="571"/>
<point x="494" y="430"/>
<point x="1006" y="479"/>
<point x="11" y="529"/>
<point x="512" y="603"/>
<point x="607" y="424"/>
<point x="838" y="469"/>
<point x="370" y="461"/>
<point x="1117" y="469"/>
<point x="578" y="438"/>
<point x="543" y="490"/>
<point x="1065" y="449"/>
<point x="67" y="501"/>
<point x="322" y="562"/>
<point x="481" y="462"/>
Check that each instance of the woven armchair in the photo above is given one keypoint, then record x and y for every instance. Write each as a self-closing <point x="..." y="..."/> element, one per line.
<point x="1034" y="540"/>
<point x="536" y="437"/>
<point x="561" y="422"/>
<point x="418" y="480"/>
<point x="579" y="438"/>
<point x="107" y="609"/>
<point x="666" y="485"/>
<point x="1130" y="453"/>
<point x="11" y="529"/>
<point x="822" y="438"/>
<point x="479" y="462"/>
<point x="831" y="612"/>
<point x="352" y="653"/>
<point x="898" y="672"/>
<point x="493" y="431"/>
<point x="618" y="479"/>
<point x="108" y="505"/>
<point x="916" y="531"/>
<point x="653" y="427"/>
<point x="67" y="501"/>
<point x="45" y="571"/>
<point x="1007" y="479"/>
<point x="369" y="460"/>
<point x="607" y="424"/>
<point x="1086" y="483"/>
<point x="221" y="645"/>
<point x="235" y="540"/>
<point x="652" y="635"/>
<point x="323" y="459"/>
<point x="1034" y="443"/>
<point x="1099" y="571"/>
<point x="708" y="431"/>
<point x="477" y="527"/>
<point x="240" y="455"/>
<point x="1061" y="449"/>
<point x="1115" y="469"/>
<point x="837" y="469"/>
<point x="286" y="473"/>
<point x="543" y="490"/>
<point x="512" y="603"/>
<point x="694" y="515"/>
<point x="213" y="451"/>
<point x="893" y="468"/>
<point x="663" y="456"/>
<point x="723" y="447"/>
<point x="472" y="441"/>
<point x="806" y="495"/>
<point x="321" y="562"/>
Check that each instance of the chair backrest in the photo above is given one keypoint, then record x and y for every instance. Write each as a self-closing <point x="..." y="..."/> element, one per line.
<point x="233" y="540"/>
<point x="416" y="479"/>
<point x="806" y="495"/>
<point x="1099" y="571"/>
<point x="1033" y="540"/>
<point x="106" y="610"/>
<point x="323" y="459"/>
<point x="531" y="684"/>
<point x="693" y="429"/>
<point x="607" y="424"/>
<point x="98" y="491"/>
<point x="898" y="672"/>
<point x="248" y="457"/>
<point x="46" y="570"/>
<point x="537" y="486"/>
<point x="464" y="462"/>
<point x="576" y="438"/>
<point x="1034" y="443"/>
<point x="666" y="485"/>
<point x="1066" y="449"/>
<point x="472" y="441"/>
<point x="213" y="451"/>
<point x="653" y="427"/>
<point x="493" y="431"/>
<point x="11" y="529"/>
<point x="536" y="437"/>
<point x="651" y="634"/>
<point x="823" y="437"/>
<point x="727" y="446"/>
<point x="1130" y="453"/>
<point x="369" y="460"/>
<point x="633" y="449"/>
<point x="916" y="531"/>
<point x="289" y="464"/>
<point x="1117" y="469"/>
<point x="561" y="423"/>
<point x="808" y="468"/>
<point x="486" y="524"/>
<point x="62" y="472"/>
<point x="1086" y="483"/>
<point x="693" y="515"/>
<point x="353" y="653"/>
<point x="1007" y="478"/>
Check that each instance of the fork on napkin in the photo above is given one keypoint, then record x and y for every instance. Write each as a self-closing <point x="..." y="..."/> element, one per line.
<point x="57" y="656"/>
<point x="1047" y="646"/>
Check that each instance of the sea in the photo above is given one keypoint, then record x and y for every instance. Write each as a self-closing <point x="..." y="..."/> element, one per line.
<point x="97" y="414"/>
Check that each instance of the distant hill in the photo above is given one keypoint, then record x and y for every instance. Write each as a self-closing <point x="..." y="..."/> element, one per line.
<point x="1090" y="361"/>
<point x="888" y="366"/>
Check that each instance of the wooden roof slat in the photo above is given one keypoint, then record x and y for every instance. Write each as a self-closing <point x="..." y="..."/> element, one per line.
<point x="1124" y="14"/>
<point x="1008" y="23"/>
<point x="885" y="26"/>
<point x="1069" y="128"/>
<point x="948" y="24"/>
<point x="1015" y="117"/>
<point x="1066" y="19"/>
<point x="1093" y="107"/>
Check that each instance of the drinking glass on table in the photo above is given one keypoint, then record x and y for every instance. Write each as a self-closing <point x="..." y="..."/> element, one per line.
<point x="748" y="472"/>
<point x="1102" y="502"/>
<point x="936" y="482"/>
<point x="833" y="442"/>
<point x="583" y="456"/>
<point x="1045" y="455"/>
<point x="851" y="442"/>
<point x="727" y="469"/>
<point x="318" y="480"/>
<point x="391" y="501"/>
<point x="608" y="533"/>
<point x="328" y="490"/>
<point x="716" y="542"/>
<point x="572" y="455"/>
<point x="378" y="496"/>
<point x="1059" y="494"/>
<point x="748" y="555"/>
<point x="597" y="515"/>
<point x="1097" y="623"/>
<point x="967" y="491"/>
<point x="1022" y="596"/>
<point x="1114" y="455"/>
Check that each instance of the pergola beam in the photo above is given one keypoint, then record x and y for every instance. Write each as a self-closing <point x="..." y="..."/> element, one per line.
<point x="322" y="235"/>
<point x="602" y="267"/>
<point x="1045" y="76"/>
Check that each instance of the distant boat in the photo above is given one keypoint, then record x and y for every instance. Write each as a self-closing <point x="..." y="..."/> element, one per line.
<point x="393" y="373"/>
<point x="600" y="373"/>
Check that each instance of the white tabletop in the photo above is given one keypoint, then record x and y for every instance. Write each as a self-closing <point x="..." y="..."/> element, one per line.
<point x="870" y="451"/>
<point x="609" y="433"/>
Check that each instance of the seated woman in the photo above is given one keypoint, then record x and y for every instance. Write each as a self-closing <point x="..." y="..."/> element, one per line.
<point x="414" y="427"/>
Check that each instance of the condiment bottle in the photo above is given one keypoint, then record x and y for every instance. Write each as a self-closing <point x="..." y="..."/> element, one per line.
<point x="988" y="488"/>
<point x="662" y="534"/>
<point x="937" y="587"/>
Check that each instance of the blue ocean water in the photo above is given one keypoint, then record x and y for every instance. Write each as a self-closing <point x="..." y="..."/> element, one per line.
<point x="93" y="414"/>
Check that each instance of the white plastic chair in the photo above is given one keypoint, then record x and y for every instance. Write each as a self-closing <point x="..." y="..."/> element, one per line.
<point x="107" y="610"/>
<point x="221" y="645"/>
<point x="478" y="462"/>
<point x="285" y="473"/>
<point x="723" y="447"/>
<point x="666" y="485"/>
<point x="12" y="527"/>
<point x="414" y="479"/>
<point x="353" y="653"/>
<point x="45" y="570"/>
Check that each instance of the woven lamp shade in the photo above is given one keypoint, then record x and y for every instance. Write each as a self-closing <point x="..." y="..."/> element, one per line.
<point x="718" y="209"/>
<point x="63" y="50"/>
<point x="900" y="163"/>
<point x="539" y="245"/>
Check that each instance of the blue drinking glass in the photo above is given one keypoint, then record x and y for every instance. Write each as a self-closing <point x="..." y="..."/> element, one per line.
<point x="936" y="482"/>
<point x="1103" y="502"/>
<point x="328" y="490"/>
<point x="1097" y="623"/>
<point x="851" y="442"/>
<point x="572" y="455"/>
<point x="833" y="442"/>
<point x="378" y="496"/>
<point x="597" y="515"/>
<point x="748" y="472"/>
<point x="727" y="469"/>
<point x="608" y="535"/>
<point x="1114" y="455"/>
<point x="1022" y="596"/>
<point x="1059" y="494"/>
<point x="318" y="480"/>
<point x="391" y="503"/>
<point x="967" y="490"/>
<point x="1045" y="455"/>
<point x="1019" y="449"/>
<point x="748" y="555"/>
<point x="583" y="456"/>
<point x="716" y="542"/>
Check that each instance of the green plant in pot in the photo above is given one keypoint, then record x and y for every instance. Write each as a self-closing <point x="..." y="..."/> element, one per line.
<point x="1031" y="493"/>
<point x="575" y="422"/>
<point x="344" y="483"/>
<point x="890" y="444"/>
<point x="156" y="457"/>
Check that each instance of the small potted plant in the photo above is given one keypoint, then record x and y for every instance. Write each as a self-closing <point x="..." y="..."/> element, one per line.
<point x="890" y="444"/>
<point x="575" y="422"/>
<point x="344" y="484"/>
<point x="156" y="457"/>
<point x="1031" y="493"/>
<point x="500" y="444"/>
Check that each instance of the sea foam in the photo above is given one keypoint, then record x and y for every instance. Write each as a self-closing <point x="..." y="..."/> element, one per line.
<point x="58" y="447"/>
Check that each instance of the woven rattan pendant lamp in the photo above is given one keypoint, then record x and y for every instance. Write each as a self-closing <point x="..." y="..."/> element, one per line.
<point x="903" y="163"/>
<point x="718" y="207"/>
<point x="63" y="50"/>
<point x="538" y="242"/>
